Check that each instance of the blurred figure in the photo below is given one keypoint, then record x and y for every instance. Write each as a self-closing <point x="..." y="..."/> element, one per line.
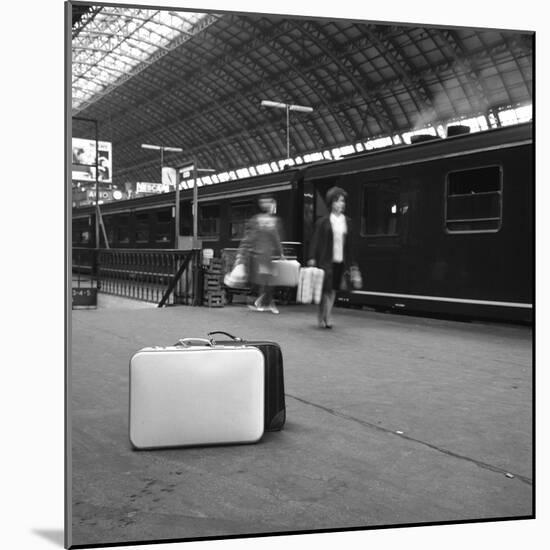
<point x="330" y="251"/>
<point x="262" y="242"/>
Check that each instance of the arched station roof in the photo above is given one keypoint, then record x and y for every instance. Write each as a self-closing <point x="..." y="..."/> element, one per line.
<point x="195" y="81"/>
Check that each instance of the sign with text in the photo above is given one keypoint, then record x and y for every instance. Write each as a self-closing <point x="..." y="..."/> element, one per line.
<point x="86" y="297"/>
<point x="146" y="187"/>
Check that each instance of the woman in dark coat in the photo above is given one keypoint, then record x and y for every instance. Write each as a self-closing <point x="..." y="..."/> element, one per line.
<point x="330" y="251"/>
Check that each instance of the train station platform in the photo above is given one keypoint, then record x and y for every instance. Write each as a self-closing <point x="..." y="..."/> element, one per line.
<point x="390" y="420"/>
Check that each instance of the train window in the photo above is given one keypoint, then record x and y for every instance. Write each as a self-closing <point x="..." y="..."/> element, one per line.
<point x="240" y="213"/>
<point x="380" y="209"/>
<point x="474" y="200"/>
<point x="209" y="220"/>
<point x="142" y="227"/>
<point x="164" y="221"/>
<point x="186" y="219"/>
<point x="123" y="233"/>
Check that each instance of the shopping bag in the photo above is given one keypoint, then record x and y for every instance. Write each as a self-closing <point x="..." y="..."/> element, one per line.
<point x="237" y="277"/>
<point x="318" y="278"/>
<point x="310" y="285"/>
<point x="304" y="291"/>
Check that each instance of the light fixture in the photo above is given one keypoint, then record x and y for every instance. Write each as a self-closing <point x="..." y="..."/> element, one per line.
<point x="287" y="107"/>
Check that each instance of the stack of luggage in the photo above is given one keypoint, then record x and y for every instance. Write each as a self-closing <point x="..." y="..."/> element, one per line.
<point x="205" y="392"/>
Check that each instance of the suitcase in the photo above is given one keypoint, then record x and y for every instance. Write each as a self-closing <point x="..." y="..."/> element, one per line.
<point x="287" y="273"/>
<point x="310" y="285"/>
<point x="274" y="398"/>
<point x="196" y="393"/>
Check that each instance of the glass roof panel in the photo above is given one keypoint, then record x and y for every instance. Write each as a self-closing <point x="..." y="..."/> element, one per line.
<point x="112" y="42"/>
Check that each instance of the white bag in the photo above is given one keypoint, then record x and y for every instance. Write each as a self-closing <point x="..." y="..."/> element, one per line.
<point x="355" y="277"/>
<point x="310" y="285"/>
<point x="318" y="277"/>
<point x="237" y="277"/>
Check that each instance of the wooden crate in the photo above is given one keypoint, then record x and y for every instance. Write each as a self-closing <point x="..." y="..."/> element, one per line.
<point x="214" y="299"/>
<point x="214" y="267"/>
<point x="212" y="287"/>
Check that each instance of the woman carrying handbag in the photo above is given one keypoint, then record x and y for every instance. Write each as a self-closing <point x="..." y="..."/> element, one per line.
<point x="262" y="242"/>
<point x="330" y="251"/>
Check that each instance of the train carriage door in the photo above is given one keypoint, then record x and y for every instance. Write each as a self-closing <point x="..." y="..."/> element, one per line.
<point x="380" y="234"/>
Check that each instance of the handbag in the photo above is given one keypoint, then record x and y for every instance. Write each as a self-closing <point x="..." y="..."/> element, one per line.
<point x="352" y="279"/>
<point x="237" y="277"/>
<point x="356" y="278"/>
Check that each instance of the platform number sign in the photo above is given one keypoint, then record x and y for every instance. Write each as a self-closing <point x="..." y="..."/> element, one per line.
<point x="84" y="297"/>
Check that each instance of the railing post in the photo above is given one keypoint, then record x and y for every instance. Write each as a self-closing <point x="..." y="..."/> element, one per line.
<point x="197" y="287"/>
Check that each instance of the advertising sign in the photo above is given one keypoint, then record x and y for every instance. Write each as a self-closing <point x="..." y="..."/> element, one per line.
<point x="145" y="187"/>
<point x="84" y="151"/>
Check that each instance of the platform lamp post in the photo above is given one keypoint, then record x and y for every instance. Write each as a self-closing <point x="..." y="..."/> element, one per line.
<point x="287" y="107"/>
<point x="191" y="166"/>
<point x="163" y="148"/>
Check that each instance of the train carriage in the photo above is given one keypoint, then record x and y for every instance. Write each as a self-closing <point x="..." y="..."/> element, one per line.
<point x="149" y="222"/>
<point x="443" y="226"/>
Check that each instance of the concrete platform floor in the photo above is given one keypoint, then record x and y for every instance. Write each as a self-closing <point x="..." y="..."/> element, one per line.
<point x="390" y="420"/>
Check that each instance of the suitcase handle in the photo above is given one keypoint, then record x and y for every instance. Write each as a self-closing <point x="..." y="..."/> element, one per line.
<point x="187" y="342"/>
<point x="237" y="339"/>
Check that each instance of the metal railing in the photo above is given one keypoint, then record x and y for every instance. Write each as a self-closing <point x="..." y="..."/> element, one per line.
<point x="165" y="277"/>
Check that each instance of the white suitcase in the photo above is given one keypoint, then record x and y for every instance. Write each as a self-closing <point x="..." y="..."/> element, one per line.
<point x="287" y="273"/>
<point x="202" y="394"/>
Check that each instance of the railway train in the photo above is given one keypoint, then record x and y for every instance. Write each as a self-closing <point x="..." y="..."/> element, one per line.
<point x="442" y="225"/>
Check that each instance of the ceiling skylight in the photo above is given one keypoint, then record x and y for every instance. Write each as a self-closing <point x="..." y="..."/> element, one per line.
<point x="111" y="44"/>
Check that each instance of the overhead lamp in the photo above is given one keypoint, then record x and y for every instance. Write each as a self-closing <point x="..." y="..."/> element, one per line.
<point x="287" y="107"/>
<point x="291" y="107"/>
<point x="161" y="148"/>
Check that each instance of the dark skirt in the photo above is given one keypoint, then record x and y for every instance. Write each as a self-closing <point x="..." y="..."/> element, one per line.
<point x="337" y="274"/>
<point x="333" y="277"/>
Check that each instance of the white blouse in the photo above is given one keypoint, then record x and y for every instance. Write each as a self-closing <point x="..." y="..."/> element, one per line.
<point x="339" y="230"/>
